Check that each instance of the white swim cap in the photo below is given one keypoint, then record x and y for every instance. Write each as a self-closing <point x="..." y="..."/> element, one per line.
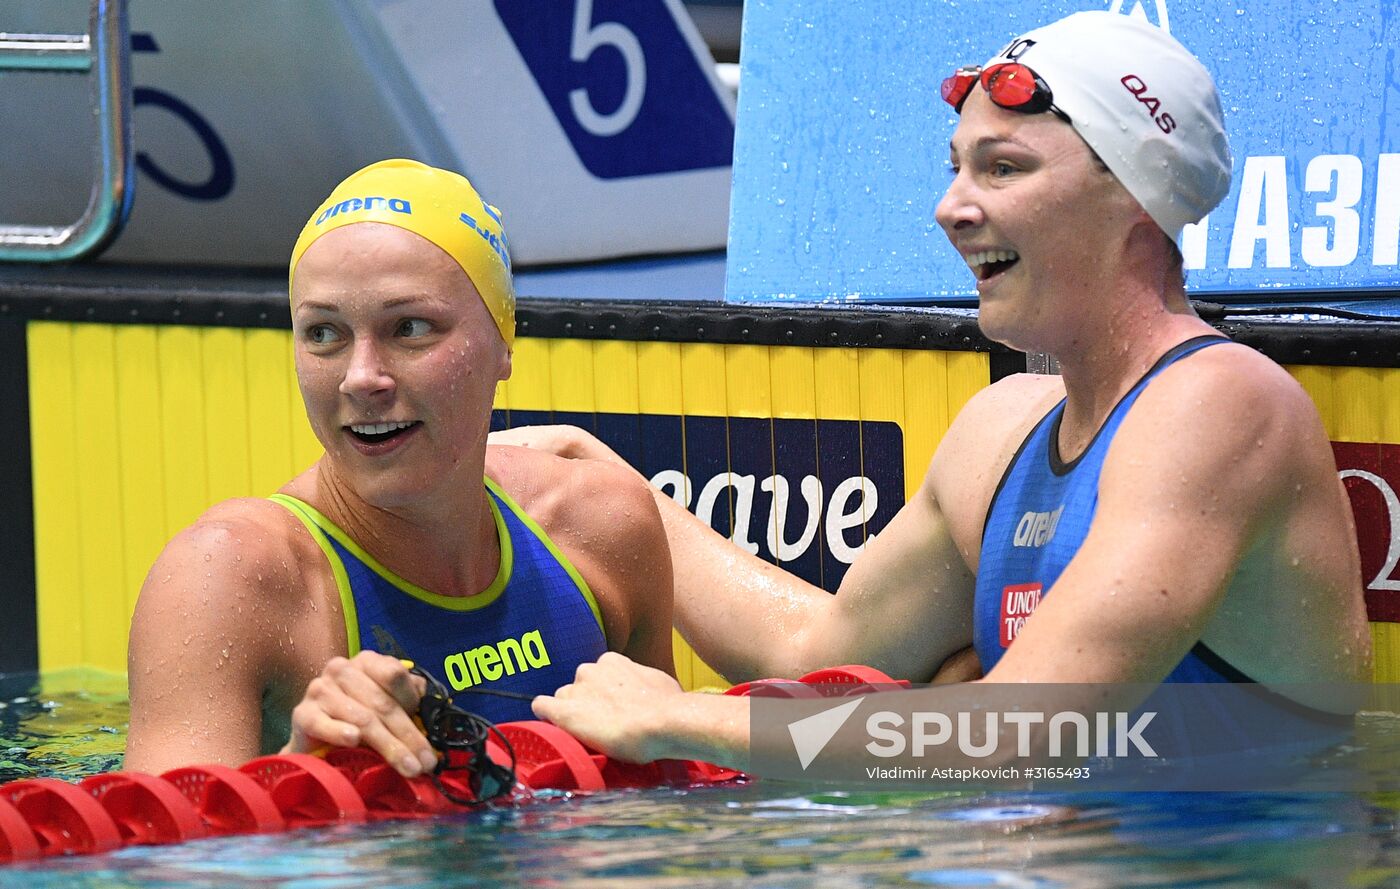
<point x="1145" y="105"/>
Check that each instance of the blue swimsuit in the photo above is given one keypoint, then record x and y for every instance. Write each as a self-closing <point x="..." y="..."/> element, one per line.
<point x="1039" y="518"/>
<point x="527" y="632"/>
<point x="1037" y="521"/>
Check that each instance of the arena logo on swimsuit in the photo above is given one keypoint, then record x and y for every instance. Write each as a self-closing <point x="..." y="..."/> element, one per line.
<point x="1037" y="528"/>
<point x="487" y="663"/>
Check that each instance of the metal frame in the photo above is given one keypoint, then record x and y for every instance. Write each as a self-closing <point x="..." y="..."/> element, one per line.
<point x="105" y="53"/>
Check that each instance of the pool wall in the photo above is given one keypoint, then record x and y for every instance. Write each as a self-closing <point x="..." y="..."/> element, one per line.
<point x="142" y="410"/>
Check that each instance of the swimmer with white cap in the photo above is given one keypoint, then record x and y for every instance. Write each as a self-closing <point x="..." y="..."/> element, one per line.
<point x="498" y="570"/>
<point x="1166" y="509"/>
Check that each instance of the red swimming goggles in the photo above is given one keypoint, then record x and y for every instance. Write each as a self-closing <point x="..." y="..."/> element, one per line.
<point x="1010" y="85"/>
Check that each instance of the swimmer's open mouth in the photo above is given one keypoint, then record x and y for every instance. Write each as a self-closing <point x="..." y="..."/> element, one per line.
<point x="377" y="433"/>
<point x="991" y="262"/>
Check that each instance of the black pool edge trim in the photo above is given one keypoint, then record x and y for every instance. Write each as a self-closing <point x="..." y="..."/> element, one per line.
<point x="1318" y="342"/>
<point x="19" y="648"/>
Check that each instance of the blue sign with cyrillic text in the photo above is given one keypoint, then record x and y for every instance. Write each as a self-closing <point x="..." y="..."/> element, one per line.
<point x="842" y="153"/>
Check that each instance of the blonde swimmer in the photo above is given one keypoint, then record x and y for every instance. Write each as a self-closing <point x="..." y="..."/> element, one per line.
<point x="278" y="623"/>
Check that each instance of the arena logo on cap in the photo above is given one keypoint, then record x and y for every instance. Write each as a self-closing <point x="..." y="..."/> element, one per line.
<point x="353" y="205"/>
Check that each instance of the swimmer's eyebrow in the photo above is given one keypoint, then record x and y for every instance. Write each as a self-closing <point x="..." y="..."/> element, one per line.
<point x="990" y="141"/>
<point x="388" y="304"/>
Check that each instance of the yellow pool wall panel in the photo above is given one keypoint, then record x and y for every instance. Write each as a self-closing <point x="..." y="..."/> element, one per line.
<point x="137" y="429"/>
<point x="1361" y="404"/>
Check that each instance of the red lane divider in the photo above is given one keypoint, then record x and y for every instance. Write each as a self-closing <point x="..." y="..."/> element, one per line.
<point x="547" y="757"/>
<point x="308" y="791"/>
<point x="17" y="840"/>
<point x="386" y="793"/>
<point x="852" y="679"/>
<point x="66" y="820"/>
<point x="773" y="688"/>
<point x="146" y="810"/>
<point x="227" y="800"/>
<point x="45" y="816"/>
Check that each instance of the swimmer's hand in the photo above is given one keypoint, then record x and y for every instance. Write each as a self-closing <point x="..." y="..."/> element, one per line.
<point x="613" y="706"/>
<point x="365" y="701"/>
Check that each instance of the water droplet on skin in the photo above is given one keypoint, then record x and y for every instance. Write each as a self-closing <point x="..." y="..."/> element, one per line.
<point x="208" y="556"/>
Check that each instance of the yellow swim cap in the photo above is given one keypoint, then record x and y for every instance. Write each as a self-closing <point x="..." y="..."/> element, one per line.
<point x="437" y="204"/>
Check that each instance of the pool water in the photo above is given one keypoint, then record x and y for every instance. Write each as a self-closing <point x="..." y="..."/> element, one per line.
<point x="766" y="834"/>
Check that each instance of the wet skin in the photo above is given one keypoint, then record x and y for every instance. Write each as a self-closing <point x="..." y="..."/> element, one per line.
<point x="1220" y="515"/>
<point x="240" y="618"/>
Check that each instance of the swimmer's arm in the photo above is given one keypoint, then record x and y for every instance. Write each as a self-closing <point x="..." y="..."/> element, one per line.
<point x="738" y="612"/>
<point x="1196" y="477"/>
<point x="903" y="606"/>
<point x="619" y="544"/>
<point x="636" y="714"/>
<point x="197" y="660"/>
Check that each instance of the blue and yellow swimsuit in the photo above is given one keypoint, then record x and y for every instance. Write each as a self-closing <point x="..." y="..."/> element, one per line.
<point x="527" y="632"/>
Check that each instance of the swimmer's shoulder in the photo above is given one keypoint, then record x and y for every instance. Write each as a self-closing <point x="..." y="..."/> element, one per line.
<point x="249" y="543"/>
<point x="986" y="433"/>
<point x="979" y="445"/>
<point x="568" y="496"/>
<point x="602" y="516"/>
<point x="1227" y="391"/>
<point x="1233" y="369"/>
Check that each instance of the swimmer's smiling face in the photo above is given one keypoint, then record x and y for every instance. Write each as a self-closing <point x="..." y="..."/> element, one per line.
<point x="397" y="360"/>
<point x="1039" y="221"/>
